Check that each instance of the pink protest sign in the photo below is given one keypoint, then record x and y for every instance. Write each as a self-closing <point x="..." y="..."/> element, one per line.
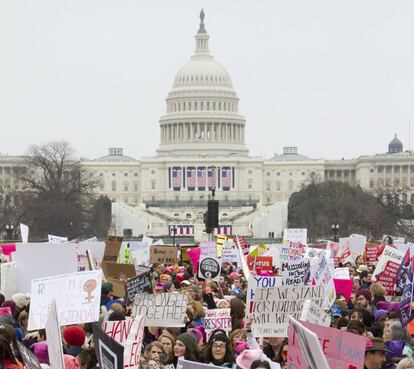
<point x="343" y="350"/>
<point x="194" y="255"/>
<point x="343" y="286"/>
<point x="8" y="249"/>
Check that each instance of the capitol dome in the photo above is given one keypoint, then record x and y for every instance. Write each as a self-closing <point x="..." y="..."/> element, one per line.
<point x="202" y="108"/>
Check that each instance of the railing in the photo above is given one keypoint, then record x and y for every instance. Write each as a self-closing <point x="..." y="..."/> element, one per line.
<point x="198" y="203"/>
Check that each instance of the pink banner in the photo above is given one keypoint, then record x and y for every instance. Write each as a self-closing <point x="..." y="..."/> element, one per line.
<point x="344" y="286"/>
<point x="343" y="350"/>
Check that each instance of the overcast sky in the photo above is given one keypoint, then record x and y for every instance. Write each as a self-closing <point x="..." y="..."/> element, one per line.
<point x="335" y="78"/>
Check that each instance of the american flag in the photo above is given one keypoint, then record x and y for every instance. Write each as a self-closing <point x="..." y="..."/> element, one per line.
<point x="243" y="244"/>
<point x="191" y="178"/>
<point x="210" y="180"/>
<point x="181" y="230"/>
<point x="224" y="229"/>
<point x="176" y="178"/>
<point x="226" y="178"/>
<point x="201" y="178"/>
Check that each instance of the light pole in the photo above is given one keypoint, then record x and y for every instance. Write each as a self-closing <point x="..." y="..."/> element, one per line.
<point x="335" y="229"/>
<point x="174" y="231"/>
<point x="9" y="231"/>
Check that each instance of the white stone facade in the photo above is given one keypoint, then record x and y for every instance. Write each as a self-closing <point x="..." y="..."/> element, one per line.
<point x="202" y="145"/>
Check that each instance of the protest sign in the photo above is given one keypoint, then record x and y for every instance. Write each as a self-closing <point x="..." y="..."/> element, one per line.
<point x="388" y="277"/>
<point x="341" y="273"/>
<point x="343" y="350"/>
<point x="357" y="244"/>
<point x="343" y="286"/>
<point x="323" y="275"/>
<point x="296" y="273"/>
<point x="309" y="346"/>
<point x="255" y="281"/>
<point x="272" y="307"/>
<point x="161" y="309"/>
<point x="334" y="248"/>
<point x="9" y="279"/>
<point x="129" y="333"/>
<point x="312" y="313"/>
<point x="29" y="359"/>
<point x="162" y="254"/>
<point x="33" y="260"/>
<point x="54" y="338"/>
<point x="295" y="235"/>
<point x="56" y="239"/>
<point x="140" y="253"/>
<point x="24" y="232"/>
<point x="371" y="254"/>
<point x="260" y="263"/>
<point x="138" y="284"/>
<point x="229" y="253"/>
<point x="217" y="319"/>
<point x="389" y="254"/>
<point x="77" y="298"/>
<point x="209" y="268"/>
<point x="110" y="353"/>
<point x="208" y="249"/>
<point x="186" y="364"/>
<point x="345" y="247"/>
<point x="112" y="248"/>
<point x="118" y="274"/>
<point x="296" y="250"/>
<point x="7" y="251"/>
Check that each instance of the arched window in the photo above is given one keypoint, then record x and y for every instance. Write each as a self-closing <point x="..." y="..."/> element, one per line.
<point x="188" y="216"/>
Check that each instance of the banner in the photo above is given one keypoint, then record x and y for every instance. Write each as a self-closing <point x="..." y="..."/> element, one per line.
<point x="166" y="255"/>
<point x="308" y="347"/>
<point x="217" y="319"/>
<point x="343" y="350"/>
<point x="54" y="338"/>
<point x="77" y="298"/>
<point x="405" y="282"/>
<point x="295" y="235"/>
<point x="110" y="353"/>
<point x="389" y="254"/>
<point x="56" y="239"/>
<point x="209" y="268"/>
<point x="161" y="309"/>
<point x="272" y="307"/>
<point x="139" y="284"/>
<point x="130" y="334"/>
<point x="260" y="263"/>
<point x="256" y="281"/>
<point x="312" y="313"/>
<point x="296" y="273"/>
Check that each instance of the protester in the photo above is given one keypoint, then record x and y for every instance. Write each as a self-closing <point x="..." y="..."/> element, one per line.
<point x="185" y="346"/>
<point x="219" y="351"/>
<point x="375" y="354"/>
<point x="167" y="340"/>
<point x="74" y="337"/>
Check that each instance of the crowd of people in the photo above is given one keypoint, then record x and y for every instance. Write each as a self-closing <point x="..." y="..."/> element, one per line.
<point x="367" y="313"/>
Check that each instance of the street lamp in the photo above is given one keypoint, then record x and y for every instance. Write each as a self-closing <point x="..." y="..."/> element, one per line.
<point x="335" y="229"/>
<point x="174" y="231"/>
<point x="9" y="231"/>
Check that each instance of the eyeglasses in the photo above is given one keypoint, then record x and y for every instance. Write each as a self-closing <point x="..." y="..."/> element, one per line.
<point x="219" y="346"/>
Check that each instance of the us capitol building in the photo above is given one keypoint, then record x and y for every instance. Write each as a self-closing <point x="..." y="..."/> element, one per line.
<point x="202" y="146"/>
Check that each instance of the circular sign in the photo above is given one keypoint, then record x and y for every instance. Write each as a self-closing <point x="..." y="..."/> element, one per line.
<point x="209" y="268"/>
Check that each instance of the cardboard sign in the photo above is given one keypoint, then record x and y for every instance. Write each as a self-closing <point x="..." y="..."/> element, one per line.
<point x="341" y="273"/>
<point x="217" y="319"/>
<point x="118" y="274"/>
<point x="343" y="286"/>
<point x="112" y="247"/>
<point x="56" y="239"/>
<point x="388" y="277"/>
<point x="229" y="253"/>
<point x="296" y="273"/>
<point x="260" y="263"/>
<point x="166" y="255"/>
<point x="389" y="254"/>
<point x="77" y="298"/>
<point x="9" y="279"/>
<point x="371" y="254"/>
<point x="295" y="235"/>
<point x="312" y="313"/>
<point x="54" y="338"/>
<point x="29" y="359"/>
<point x="139" y="284"/>
<point x="209" y="268"/>
<point x="110" y="353"/>
<point x="255" y="281"/>
<point x="343" y="350"/>
<point x="161" y="309"/>
<point x="185" y="364"/>
<point x="272" y="307"/>
<point x="130" y="334"/>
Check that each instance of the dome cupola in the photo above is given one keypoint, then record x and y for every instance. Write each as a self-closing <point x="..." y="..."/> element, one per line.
<point x="395" y="146"/>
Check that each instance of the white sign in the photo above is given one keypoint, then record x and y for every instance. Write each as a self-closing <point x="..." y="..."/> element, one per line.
<point x="9" y="279"/>
<point x="299" y="235"/>
<point x="217" y="319"/>
<point x="208" y="249"/>
<point x="77" y="298"/>
<point x="229" y="253"/>
<point x="161" y="309"/>
<point x="312" y="313"/>
<point x="296" y="273"/>
<point x="341" y="273"/>
<point x="389" y="254"/>
<point x="256" y="281"/>
<point x="130" y="334"/>
<point x="24" y="232"/>
<point x="56" y="239"/>
<point x="272" y="307"/>
<point x="54" y="338"/>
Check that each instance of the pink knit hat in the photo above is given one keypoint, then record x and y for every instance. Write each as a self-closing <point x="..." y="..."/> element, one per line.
<point x="245" y="359"/>
<point x="41" y="352"/>
<point x="71" y="362"/>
